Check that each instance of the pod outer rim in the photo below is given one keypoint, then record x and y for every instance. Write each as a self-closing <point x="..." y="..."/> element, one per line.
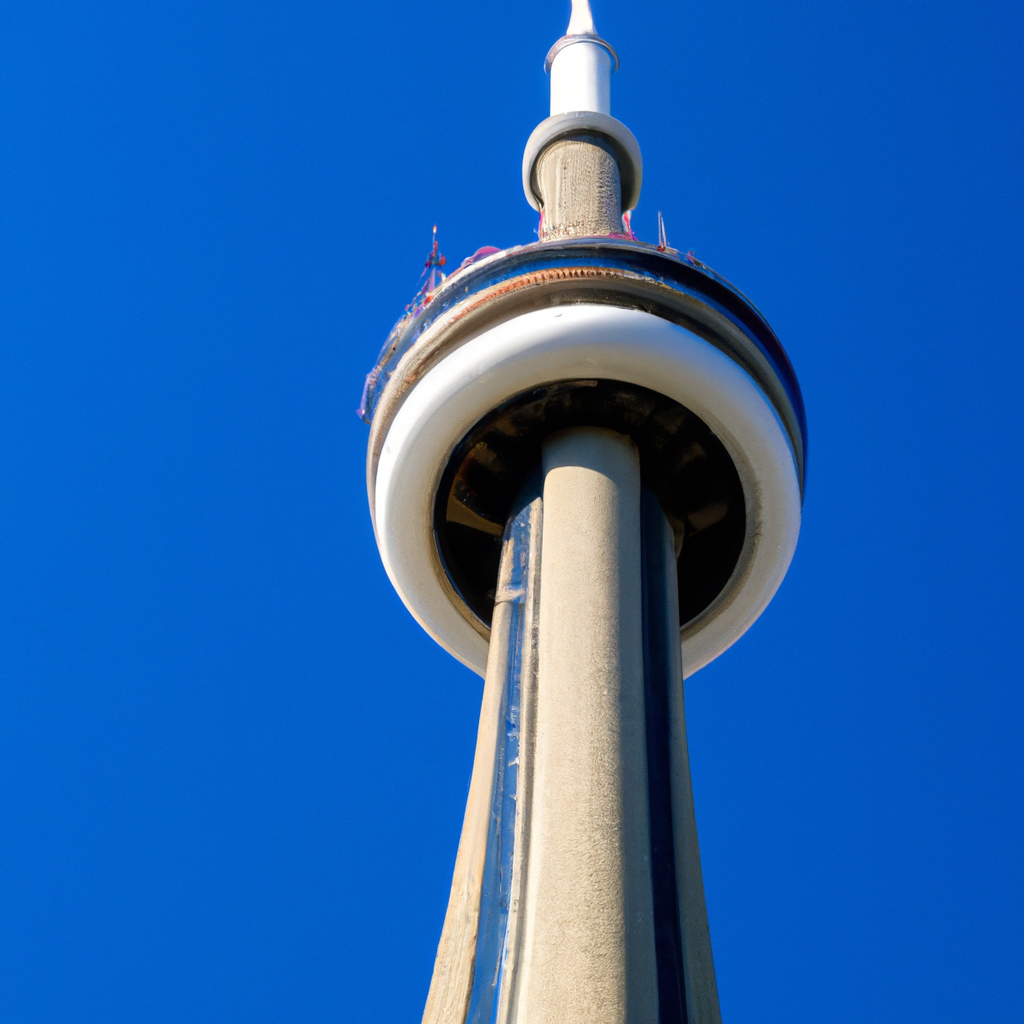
<point x="617" y="271"/>
<point x="583" y="339"/>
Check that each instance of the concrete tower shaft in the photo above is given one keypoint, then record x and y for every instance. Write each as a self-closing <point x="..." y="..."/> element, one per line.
<point x="585" y="473"/>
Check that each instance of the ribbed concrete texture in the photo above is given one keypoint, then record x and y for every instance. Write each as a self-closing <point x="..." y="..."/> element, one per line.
<point x="578" y="182"/>
<point x="587" y="954"/>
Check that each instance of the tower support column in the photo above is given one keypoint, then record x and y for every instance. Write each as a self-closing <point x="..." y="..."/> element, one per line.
<point x="579" y="180"/>
<point x="577" y="895"/>
<point x="587" y="953"/>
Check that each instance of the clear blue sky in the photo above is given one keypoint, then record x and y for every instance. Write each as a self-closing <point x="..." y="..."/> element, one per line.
<point x="232" y="768"/>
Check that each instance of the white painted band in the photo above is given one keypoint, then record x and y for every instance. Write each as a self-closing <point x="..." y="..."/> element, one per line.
<point x="568" y="343"/>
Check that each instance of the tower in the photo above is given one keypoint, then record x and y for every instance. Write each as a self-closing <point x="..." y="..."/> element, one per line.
<point x="585" y="473"/>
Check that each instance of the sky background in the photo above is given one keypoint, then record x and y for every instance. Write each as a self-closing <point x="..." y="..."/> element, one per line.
<point x="232" y="768"/>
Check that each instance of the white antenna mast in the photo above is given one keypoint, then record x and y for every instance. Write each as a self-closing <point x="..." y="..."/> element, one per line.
<point x="581" y="64"/>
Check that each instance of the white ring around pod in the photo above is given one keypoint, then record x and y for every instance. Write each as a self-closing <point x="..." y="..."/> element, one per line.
<point x="569" y="343"/>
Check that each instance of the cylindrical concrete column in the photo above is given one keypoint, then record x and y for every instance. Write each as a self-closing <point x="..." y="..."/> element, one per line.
<point x="587" y="952"/>
<point x="579" y="184"/>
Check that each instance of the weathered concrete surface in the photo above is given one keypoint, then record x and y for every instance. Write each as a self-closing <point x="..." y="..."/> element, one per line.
<point x="588" y="944"/>
<point x="578" y="182"/>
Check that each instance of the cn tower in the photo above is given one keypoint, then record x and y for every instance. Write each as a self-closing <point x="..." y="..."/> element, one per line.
<point x="585" y="473"/>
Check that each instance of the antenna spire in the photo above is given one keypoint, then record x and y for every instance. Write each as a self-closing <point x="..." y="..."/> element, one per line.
<point x="581" y="22"/>
<point x="581" y="64"/>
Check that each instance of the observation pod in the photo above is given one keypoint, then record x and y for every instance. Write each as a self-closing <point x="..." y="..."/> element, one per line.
<point x="585" y="473"/>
